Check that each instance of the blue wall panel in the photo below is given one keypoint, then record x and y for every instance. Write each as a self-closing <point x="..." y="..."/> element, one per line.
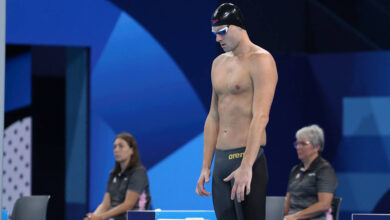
<point x="18" y="82"/>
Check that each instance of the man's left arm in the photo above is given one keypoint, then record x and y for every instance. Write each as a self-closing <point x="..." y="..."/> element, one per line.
<point x="264" y="79"/>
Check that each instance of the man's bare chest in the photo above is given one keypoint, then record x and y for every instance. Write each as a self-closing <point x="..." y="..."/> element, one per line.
<point x="231" y="79"/>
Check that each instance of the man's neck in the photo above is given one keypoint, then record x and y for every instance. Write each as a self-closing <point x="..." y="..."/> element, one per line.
<point x="244" y="46"/>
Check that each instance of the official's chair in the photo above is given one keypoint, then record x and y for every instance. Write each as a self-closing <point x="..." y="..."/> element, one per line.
<point x="274" y="207"/>
<point x="30" y="208"/>
<point x="336" y="207"/>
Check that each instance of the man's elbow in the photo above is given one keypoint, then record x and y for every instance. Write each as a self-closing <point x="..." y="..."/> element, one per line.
<point x="261" y="118"/>
<point x="212" y="117"/>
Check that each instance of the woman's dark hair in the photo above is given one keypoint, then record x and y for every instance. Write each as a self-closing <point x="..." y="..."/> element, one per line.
<point x="135" y="158"/>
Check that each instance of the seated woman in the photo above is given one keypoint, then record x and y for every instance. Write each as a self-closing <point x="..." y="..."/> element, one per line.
<point x="313" y="182"/>
<point x="128" y="185"/>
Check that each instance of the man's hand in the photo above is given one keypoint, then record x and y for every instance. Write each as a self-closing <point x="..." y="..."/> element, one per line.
<point x="242" y="180"/>
<point x="204" y="177"/>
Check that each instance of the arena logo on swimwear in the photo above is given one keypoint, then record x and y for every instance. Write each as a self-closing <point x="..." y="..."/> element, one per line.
<point x="235" y="156"/>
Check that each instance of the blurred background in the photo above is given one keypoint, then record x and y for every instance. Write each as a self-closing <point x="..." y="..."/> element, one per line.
<point x="80" y="71"/>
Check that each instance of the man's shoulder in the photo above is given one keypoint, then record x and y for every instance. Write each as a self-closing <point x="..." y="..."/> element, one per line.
<point x="222" y="57"/>
<point x="260" y="55"/>
<point x="262" y="63"/>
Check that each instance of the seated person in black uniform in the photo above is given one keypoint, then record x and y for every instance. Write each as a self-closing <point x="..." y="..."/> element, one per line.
<point x="128" y="185"/>
<point x="313" y="182"/>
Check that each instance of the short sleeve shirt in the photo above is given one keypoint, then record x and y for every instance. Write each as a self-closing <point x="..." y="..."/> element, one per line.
<point x="304" y="185"/>
<point x="134" y="179"/>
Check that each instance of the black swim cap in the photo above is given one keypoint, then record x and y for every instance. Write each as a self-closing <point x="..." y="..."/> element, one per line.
<point x="227" y="14"/>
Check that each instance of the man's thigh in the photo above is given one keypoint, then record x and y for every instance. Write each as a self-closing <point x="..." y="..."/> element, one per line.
<point x="223" y="205"/>
<point x="254" y="203"/>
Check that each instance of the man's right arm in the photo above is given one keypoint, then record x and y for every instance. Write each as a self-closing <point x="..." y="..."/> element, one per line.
<point x="211" y="128"/>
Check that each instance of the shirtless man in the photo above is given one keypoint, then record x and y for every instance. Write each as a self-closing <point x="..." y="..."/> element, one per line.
<point x="244" y="79"/>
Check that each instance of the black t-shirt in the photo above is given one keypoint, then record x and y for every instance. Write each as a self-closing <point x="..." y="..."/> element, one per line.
<point x="134" y="179"/>
<point x="304" y="185"/>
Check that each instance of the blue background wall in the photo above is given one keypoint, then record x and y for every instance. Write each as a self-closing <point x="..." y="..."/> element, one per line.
<point x="149" y="75"/>
<point x="18" y="81"/>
